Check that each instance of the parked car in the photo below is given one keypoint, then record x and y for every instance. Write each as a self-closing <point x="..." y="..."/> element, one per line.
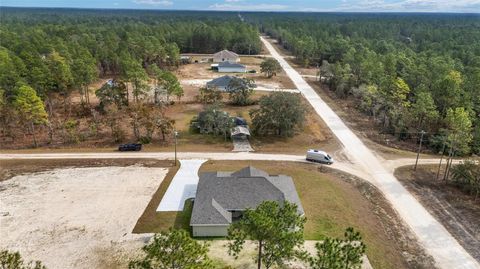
<point x="130" y="147"/>
<point x="319" y="156"/>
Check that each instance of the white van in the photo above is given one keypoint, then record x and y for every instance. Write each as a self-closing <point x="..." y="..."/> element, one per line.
<point x="319" y="156"/>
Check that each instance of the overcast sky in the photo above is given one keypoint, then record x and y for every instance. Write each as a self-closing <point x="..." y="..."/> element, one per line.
<point x="265" y="5"/>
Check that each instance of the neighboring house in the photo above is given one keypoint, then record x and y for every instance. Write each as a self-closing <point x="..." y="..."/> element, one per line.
<point x="227" y="67"/>
<point x="222" y="197"/>
<point x="226" y="56"/>
<point x="220" y="83"/>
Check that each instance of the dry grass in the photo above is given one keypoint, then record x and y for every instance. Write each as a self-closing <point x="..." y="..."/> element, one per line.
<point x="202" y="71"/>
<point x="314" y="134"/>
<point x="458" y="211"/>
<point x="10" y="168"/>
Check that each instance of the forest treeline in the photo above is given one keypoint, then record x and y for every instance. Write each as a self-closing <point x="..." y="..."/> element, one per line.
<point x="410" y="72"/>
<point x="47" y="54"/>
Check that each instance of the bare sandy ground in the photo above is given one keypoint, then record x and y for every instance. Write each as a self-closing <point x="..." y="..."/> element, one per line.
<point x="77" y="217"/>
<point x="261" y="85"/>
<point x="219" y="252"/>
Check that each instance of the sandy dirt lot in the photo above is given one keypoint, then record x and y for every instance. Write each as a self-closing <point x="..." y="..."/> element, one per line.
<point x="197" y="74"/>
<point x="77" y="217"/>
<point x="219" y="253"/>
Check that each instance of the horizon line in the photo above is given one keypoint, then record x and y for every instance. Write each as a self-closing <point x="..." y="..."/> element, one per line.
<point x="252" y="11"/>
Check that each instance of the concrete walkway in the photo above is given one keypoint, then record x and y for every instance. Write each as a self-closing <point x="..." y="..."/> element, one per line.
<point x="241" y="144"/>
<point x="182" y="187"/>
<point x="437" y="241"/>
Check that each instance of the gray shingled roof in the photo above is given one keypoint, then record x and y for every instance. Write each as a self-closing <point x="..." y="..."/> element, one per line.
<point x="225" y="54"/>
<point x="220" y="82"/>
<point x="218" y="193"/>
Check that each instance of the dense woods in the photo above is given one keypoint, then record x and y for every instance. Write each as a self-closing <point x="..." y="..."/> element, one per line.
<point x="410" y="72"/>
<point x="58" y="52"/>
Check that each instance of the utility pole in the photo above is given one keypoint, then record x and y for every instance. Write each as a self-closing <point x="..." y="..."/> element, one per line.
<point x="450" y="156"/>
<point x="419" y="149"/>
<point x="450" y="165"/>
<point x="175" y="134"/>
<point x="441" y="157"/>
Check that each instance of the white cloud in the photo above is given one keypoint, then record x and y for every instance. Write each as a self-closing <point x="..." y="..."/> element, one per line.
<point x="154" y="2"/>
<point x="232" y="1"/>
<point x="249" y="7"/>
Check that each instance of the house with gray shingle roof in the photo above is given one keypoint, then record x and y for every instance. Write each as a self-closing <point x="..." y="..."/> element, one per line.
<point x="226" y="56"/>
<point x="220" y="83"/>
<point x="223" y="196"/>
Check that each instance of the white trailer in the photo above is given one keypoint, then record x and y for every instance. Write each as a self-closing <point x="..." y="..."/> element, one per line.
<point x="319" y="156"/>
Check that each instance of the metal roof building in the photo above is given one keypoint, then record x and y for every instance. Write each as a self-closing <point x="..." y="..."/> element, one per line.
<point x="227" y="67"/>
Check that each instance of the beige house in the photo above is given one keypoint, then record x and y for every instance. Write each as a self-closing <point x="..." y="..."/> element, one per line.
<point x="226" y="56"/>
<point x="222" y="197"/>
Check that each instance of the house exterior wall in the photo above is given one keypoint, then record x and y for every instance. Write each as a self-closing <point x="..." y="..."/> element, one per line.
<point x="231" y="70"/>
<point x="220" y="88"/>
<point x="230" y="59"/>
<point x="209" y="231"/>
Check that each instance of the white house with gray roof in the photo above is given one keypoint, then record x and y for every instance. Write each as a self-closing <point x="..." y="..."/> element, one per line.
<point x="220" y="83"/>
<point x="223" y="196"/>
<point x="226" y="56"/>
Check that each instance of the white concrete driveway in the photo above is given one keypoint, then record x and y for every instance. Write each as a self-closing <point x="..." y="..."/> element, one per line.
<point x="182" y="187"/>
<point x="437" y="241"/>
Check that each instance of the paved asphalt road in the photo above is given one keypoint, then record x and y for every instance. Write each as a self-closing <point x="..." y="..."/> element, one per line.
<point x="446" y="251"/>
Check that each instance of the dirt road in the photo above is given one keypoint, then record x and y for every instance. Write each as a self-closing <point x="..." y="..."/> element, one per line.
<point x="343" y="165"/>
<point x="438" y="242"/>
<point x="342" y="162"/>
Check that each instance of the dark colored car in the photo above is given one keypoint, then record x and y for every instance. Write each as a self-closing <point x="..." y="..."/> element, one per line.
<point x="130" y="147"/>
